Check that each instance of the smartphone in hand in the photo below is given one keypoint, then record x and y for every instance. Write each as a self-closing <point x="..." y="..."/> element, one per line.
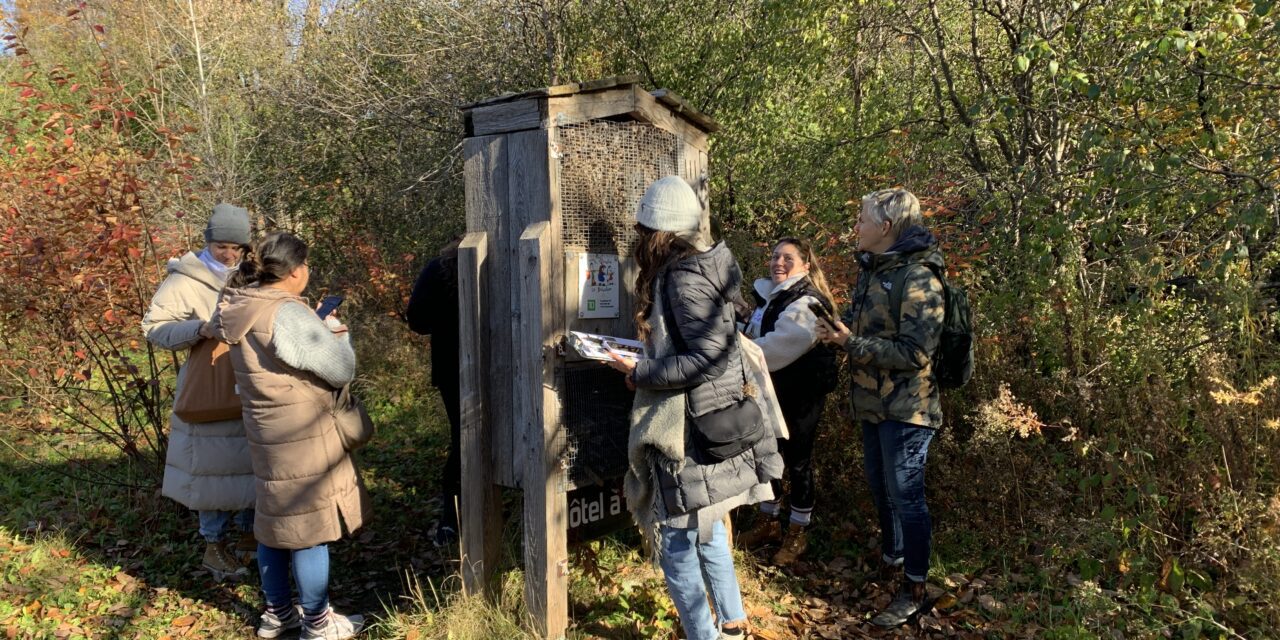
<point x="328" y="305"/>
<point x="821" y="312"/>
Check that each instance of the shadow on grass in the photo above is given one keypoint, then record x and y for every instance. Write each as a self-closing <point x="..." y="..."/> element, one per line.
<point x="155" y="540"/>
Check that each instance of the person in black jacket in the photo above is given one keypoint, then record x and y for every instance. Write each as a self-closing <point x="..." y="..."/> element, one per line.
<point x="677" y="490"/>
<point x="433" y="311"/>
<point x="803" y="371"/>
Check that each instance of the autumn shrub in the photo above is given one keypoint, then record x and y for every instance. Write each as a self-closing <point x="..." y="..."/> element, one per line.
<point x="80" y="254"/>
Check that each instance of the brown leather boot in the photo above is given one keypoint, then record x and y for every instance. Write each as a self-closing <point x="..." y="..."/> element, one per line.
<point x="765" y="531"/>
<point x="793" y="546"/>
<point x="246" y="547"/>
<point x="221" y="563"/>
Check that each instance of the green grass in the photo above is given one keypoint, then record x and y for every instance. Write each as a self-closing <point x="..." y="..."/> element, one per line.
<point x="81" y="557"/>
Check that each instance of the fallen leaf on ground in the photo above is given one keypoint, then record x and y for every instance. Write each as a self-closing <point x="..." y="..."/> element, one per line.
<point x="184" y="621"/>
<point x="990" y="604"/>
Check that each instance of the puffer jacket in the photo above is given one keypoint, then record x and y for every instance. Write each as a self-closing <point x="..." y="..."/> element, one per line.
<point x="890" y="359"/>
<point x="308" y="489"/>
<point x="696" y="298"/>
<point x="207" y="465"/>
<point x="698" y="293"/>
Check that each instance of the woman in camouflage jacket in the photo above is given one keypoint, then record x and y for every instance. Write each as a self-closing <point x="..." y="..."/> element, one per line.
<point x="893" y="390"/>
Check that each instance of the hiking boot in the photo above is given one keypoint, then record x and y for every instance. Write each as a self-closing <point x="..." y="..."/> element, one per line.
<point x="221" y="563"/>
<point x="909" y="601"/>
<point x="334" y="627"/>
<point x="246" y="548"/>
<point x="273" y="625"/>
<point x="765" y="532"/>
<point x="793" y="546"/>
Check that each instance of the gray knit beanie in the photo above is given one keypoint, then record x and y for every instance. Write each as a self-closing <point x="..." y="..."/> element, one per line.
<point x="669" y="204"/>
<point x="228" y="223"/>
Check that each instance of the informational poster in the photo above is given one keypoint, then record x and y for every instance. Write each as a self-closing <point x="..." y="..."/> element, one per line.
<point x="598" y="291"/>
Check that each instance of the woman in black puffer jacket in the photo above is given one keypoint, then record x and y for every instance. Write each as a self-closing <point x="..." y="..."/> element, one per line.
<point x="684" y="477"/>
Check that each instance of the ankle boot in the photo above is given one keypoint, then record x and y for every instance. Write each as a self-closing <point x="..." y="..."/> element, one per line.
<point x="764" y="532"/>
<point x="793" y="546"/>
<point x="909" y="601"/>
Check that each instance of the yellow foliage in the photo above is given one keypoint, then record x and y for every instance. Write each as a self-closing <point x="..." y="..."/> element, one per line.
<point x="1228" y="395"/>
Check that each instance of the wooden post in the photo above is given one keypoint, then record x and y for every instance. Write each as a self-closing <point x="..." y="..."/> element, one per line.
<point x="481" y="509"/>
<point x="546" y="561"/>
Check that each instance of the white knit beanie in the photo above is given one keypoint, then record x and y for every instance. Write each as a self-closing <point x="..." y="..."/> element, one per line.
<point x="669" y="204"/>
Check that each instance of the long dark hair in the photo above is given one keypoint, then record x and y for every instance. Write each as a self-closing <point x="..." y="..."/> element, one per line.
<point x="653" y="251"/>
<point x="816" y="276"/>
<point x="269" y="260"/>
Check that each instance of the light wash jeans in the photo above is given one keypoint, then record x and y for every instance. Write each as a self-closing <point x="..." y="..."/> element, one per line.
<point x="691" y="569"/>
<point x="894" y="456"/>
<point x="214" y="524"/>
<point x="310" y="572"/>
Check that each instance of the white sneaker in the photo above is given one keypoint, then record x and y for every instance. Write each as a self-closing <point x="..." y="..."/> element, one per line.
<point x="337" y="627"/>
<point x="273" y="626"/>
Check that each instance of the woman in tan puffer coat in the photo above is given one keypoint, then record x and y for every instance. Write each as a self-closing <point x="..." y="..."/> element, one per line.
<point x="288" y="364"/>
<point x="207" y="466"/>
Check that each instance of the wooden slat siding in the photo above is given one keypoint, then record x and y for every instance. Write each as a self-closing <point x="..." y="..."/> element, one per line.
<point x="545" y="508"/>
<point x="575" y="109"/>
<point x="685" y="110"/>
<point x="508" y="116"/>
<point x="481" y="508"/>
<point x="528" y="201"/>
<point x="485" y="169"/>
<point x="648" y="109"/>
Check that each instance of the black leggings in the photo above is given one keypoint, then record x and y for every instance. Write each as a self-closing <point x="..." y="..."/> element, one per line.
<point x="451" y="474"/>
<point x="802" y="416"/>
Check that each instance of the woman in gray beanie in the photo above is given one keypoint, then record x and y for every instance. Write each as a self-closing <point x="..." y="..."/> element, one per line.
<point x="207" y="466"/>
<point x="681" y="479"/>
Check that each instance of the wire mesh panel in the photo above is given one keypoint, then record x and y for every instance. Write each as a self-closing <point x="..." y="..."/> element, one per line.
<point x="605" y="168"/>
<point x="597" y="410"/>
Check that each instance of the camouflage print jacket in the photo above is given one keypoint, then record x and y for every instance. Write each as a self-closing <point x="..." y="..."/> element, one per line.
<point x="890" y="359"/>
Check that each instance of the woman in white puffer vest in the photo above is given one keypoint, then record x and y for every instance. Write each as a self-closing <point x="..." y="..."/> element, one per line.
<point x="207" y="467"/>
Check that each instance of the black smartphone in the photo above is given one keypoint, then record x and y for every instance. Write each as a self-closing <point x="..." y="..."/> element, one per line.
<point x="821" y="311"/>
<point x="328" y="305"/>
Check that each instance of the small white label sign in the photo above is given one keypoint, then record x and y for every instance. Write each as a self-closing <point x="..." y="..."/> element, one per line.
<point x="598" y="276"/>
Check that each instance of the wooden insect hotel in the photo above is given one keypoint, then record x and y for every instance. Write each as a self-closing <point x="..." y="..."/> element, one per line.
<point x="553" y="178"/>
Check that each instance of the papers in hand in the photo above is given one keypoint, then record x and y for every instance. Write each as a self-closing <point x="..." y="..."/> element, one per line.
<point x="598" y="347"/>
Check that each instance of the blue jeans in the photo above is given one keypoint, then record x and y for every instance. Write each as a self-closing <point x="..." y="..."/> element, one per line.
<point x="691" y="569"/>
<point x="894" y="455"/>
<point x="310" y="572"/>
<point x="214" y="524"/>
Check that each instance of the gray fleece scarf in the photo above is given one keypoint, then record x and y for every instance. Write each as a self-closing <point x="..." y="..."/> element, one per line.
<point x="657" y="435"/>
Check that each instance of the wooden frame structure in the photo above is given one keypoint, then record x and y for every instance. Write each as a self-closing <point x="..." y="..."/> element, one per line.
<point x="515" y="309"/>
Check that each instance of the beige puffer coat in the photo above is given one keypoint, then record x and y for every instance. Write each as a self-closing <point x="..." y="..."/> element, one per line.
<point x="308" y="488"/>
<point x="207" y="466"/>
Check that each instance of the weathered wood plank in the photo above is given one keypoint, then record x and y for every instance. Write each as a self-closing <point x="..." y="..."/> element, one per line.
<point x="488" y="209"/>
<point x="545" y="509"/>
<point x="528" y="201"/>
<point x="508" y="116"/>
<point x="481" y="508"/>
<point x="649" y="109"/>
<point x="678" y="105"/>
<point x="575" y="109"/>
<point x="557" y="90"/>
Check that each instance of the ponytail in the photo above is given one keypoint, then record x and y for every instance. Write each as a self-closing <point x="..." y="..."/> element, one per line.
<point x="269" y="260"/>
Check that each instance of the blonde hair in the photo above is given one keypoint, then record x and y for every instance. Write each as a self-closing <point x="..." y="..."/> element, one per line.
<point x="897" y="206"/>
